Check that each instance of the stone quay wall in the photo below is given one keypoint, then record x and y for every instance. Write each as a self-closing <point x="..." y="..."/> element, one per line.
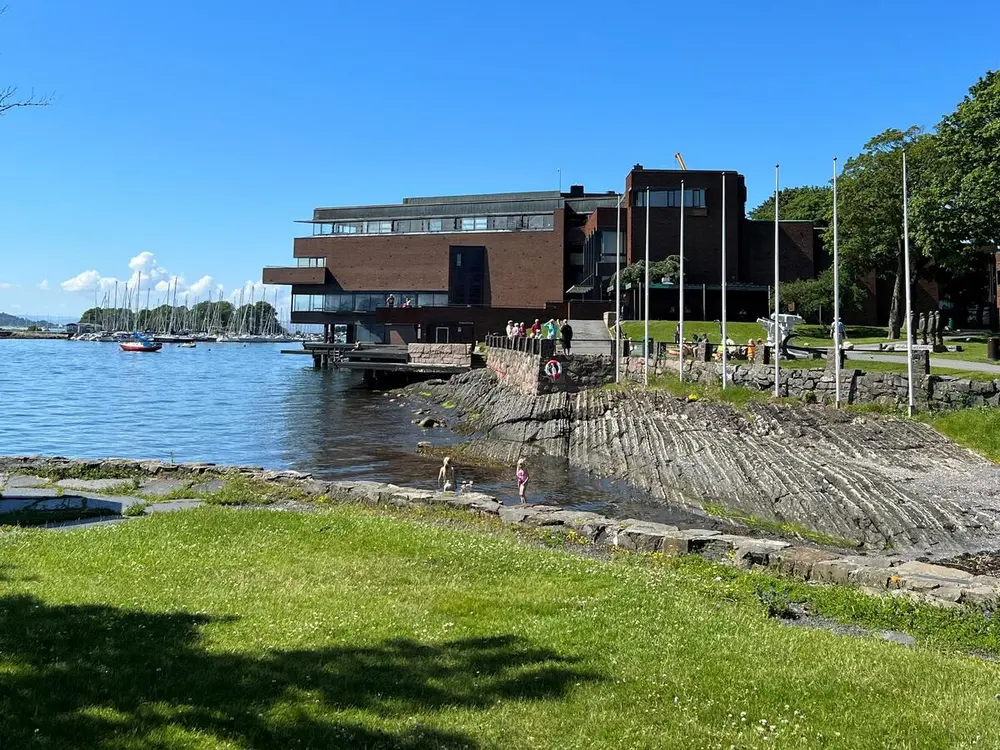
<point x="526" y="371"/>
<point x="515" y="369"/>
<point x="440" y="354"/>
<point x="819" y="384"/>
<point x="937" y="584"/>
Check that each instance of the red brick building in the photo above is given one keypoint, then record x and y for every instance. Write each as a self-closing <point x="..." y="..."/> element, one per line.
<point x="458" y="267"/>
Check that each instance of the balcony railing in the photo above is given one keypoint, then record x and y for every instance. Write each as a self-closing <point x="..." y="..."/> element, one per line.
<point x="525" y="344"/>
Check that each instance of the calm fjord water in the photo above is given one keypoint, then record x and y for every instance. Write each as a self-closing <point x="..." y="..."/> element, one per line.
<point x="236" y="404"/>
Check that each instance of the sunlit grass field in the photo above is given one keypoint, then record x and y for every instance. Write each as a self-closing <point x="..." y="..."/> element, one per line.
<point x="350" y="627"/>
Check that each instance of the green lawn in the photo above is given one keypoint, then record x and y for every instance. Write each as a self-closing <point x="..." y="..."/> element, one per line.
<point x="219" y="628"/>
<point x="896" y="367"/>
<point x="808" y="334"/>
<point x="978" y="429"/>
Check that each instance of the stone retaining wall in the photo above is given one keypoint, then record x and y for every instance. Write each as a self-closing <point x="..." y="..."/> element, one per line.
<point x="517" y="370"/>
<point x="440" y="354"/>
<point x="526" y="372"/>
<point x="934" y="583"/>
<point x="819" y="384"/>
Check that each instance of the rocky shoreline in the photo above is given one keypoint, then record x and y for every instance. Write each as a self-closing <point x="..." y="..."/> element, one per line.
<point x="878" y="573"/>
<point x="882" y="485"/>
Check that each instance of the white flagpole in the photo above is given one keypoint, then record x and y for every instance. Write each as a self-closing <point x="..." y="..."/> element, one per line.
<point x="645" y="342"/>
<point x="836" y="291"/>
<point x="909" y="308"/>
<point x="680" y="325"/>
<point x="725" y="349"/>
<point x="618" y="293"/>
<point x="774" y="328"/>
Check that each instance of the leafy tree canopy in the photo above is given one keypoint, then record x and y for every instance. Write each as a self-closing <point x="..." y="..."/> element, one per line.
<point x="808" y="203"/>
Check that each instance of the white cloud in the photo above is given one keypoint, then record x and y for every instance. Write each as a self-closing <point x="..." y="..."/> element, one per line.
<point x="201" y="286"/>
<point x="43" y="285"/>
<point x="6" y="285"/>
<point x="86" y="281"/>
<point x="144" y="261"/>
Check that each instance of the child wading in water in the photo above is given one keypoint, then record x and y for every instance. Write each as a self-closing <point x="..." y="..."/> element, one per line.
<point x="522" y="479"/>
<point x="446" y="476"/>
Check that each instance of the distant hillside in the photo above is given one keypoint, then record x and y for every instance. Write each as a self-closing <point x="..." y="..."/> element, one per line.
<point x="13" y="321"/>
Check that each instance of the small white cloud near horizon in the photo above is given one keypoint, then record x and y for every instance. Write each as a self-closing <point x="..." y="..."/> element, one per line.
<point x="85" y="281"/>
<point x="43" y="285"/>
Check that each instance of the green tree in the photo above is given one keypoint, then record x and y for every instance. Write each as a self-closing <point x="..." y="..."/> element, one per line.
<point x="810" y="296"/>
<point x="871" y="210"/>
<point x="969" y="141"/>
<point x="808" y="203"/>
<point x="635" y="273"/>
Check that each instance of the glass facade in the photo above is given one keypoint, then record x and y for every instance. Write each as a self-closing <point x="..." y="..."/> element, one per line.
<point x="350" y="302"/>
<point x="508" y="223"/>
<point x="693" y="198"/>
<point x="310" y="262"/>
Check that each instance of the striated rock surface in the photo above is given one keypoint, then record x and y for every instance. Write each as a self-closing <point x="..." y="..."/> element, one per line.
<point x="882" y="484"/>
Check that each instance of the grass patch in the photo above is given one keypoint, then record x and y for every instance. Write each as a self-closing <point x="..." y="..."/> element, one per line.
<point x="735" y="395"/>
<point x="355" y="628"/>
<point x="447" y="404"/>
<point x="978" y="429"/>
<point x="783" y="528"/>
<point x="246" y="491"/>
<point x="135" y="509"/>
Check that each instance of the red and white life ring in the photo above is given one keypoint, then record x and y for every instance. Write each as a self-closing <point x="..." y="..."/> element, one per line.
<point x="553" y="369"/>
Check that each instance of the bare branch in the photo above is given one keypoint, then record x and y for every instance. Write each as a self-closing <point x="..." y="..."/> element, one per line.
<point x="9" y="100"/>
<point x="8" y="95"/>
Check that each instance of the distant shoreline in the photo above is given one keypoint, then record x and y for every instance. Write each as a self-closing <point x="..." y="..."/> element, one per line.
<point x="6" y="334"/>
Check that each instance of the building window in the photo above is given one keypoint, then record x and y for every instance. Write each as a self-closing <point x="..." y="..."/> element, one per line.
<point x="693" y="198"/>
<point x="378" y="227"/>
<point x="311" y="262"/>
<point x="473" y="224"/>
<point x="434" y="225"/>
<point x="348" y="227"/>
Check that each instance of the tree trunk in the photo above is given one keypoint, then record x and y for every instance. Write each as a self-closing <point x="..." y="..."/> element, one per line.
<point x="895" y="313"/>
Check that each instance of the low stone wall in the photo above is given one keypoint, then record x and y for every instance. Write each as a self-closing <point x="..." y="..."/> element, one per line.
<point x="517" y="370"/>
<point x="935" y="583"/>
<point x="526" y="373"/>
<point x="819" y="384"/>
<point x="440" y="354"/>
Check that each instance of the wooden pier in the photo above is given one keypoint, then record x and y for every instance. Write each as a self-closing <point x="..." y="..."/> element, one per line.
<point x="393" y="365"/>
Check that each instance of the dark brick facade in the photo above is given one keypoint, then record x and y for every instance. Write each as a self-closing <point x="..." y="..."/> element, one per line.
<point x="524" y="269"/>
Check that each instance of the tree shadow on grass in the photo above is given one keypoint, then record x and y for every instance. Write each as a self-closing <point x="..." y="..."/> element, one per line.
<point x="97" y="676"/>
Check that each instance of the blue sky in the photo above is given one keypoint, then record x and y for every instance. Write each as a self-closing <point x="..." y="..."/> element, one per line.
<point x="197" y="132"/>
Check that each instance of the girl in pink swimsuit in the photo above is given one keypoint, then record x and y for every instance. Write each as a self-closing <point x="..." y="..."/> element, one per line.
<point x="522" y="479"/>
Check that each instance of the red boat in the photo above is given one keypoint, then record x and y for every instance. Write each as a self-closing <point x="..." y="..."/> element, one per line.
<point x="141" y="344"/>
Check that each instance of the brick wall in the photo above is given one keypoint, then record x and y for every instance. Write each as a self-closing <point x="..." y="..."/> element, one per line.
<point x="524" y="269"/>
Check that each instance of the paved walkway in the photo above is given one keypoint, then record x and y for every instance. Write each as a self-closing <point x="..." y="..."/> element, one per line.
<point x="955" y="364"/>
<point x="591" y="337"/>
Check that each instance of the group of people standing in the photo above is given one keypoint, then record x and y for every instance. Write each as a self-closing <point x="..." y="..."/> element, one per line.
<point x="550" y="330"/>
<point x="447" y="481"/>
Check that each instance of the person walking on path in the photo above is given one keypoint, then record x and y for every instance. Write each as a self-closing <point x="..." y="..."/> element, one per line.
<point x="522" y="480"/>
<point x="446" y="476"/>
<point x="566" y="337"/>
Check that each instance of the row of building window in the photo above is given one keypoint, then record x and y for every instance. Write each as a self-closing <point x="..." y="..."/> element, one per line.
<point x="693" y="198"/>
<point x="365" y="301"/>
<point x="311" y="262"/>
<point x="513" y="223"/>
